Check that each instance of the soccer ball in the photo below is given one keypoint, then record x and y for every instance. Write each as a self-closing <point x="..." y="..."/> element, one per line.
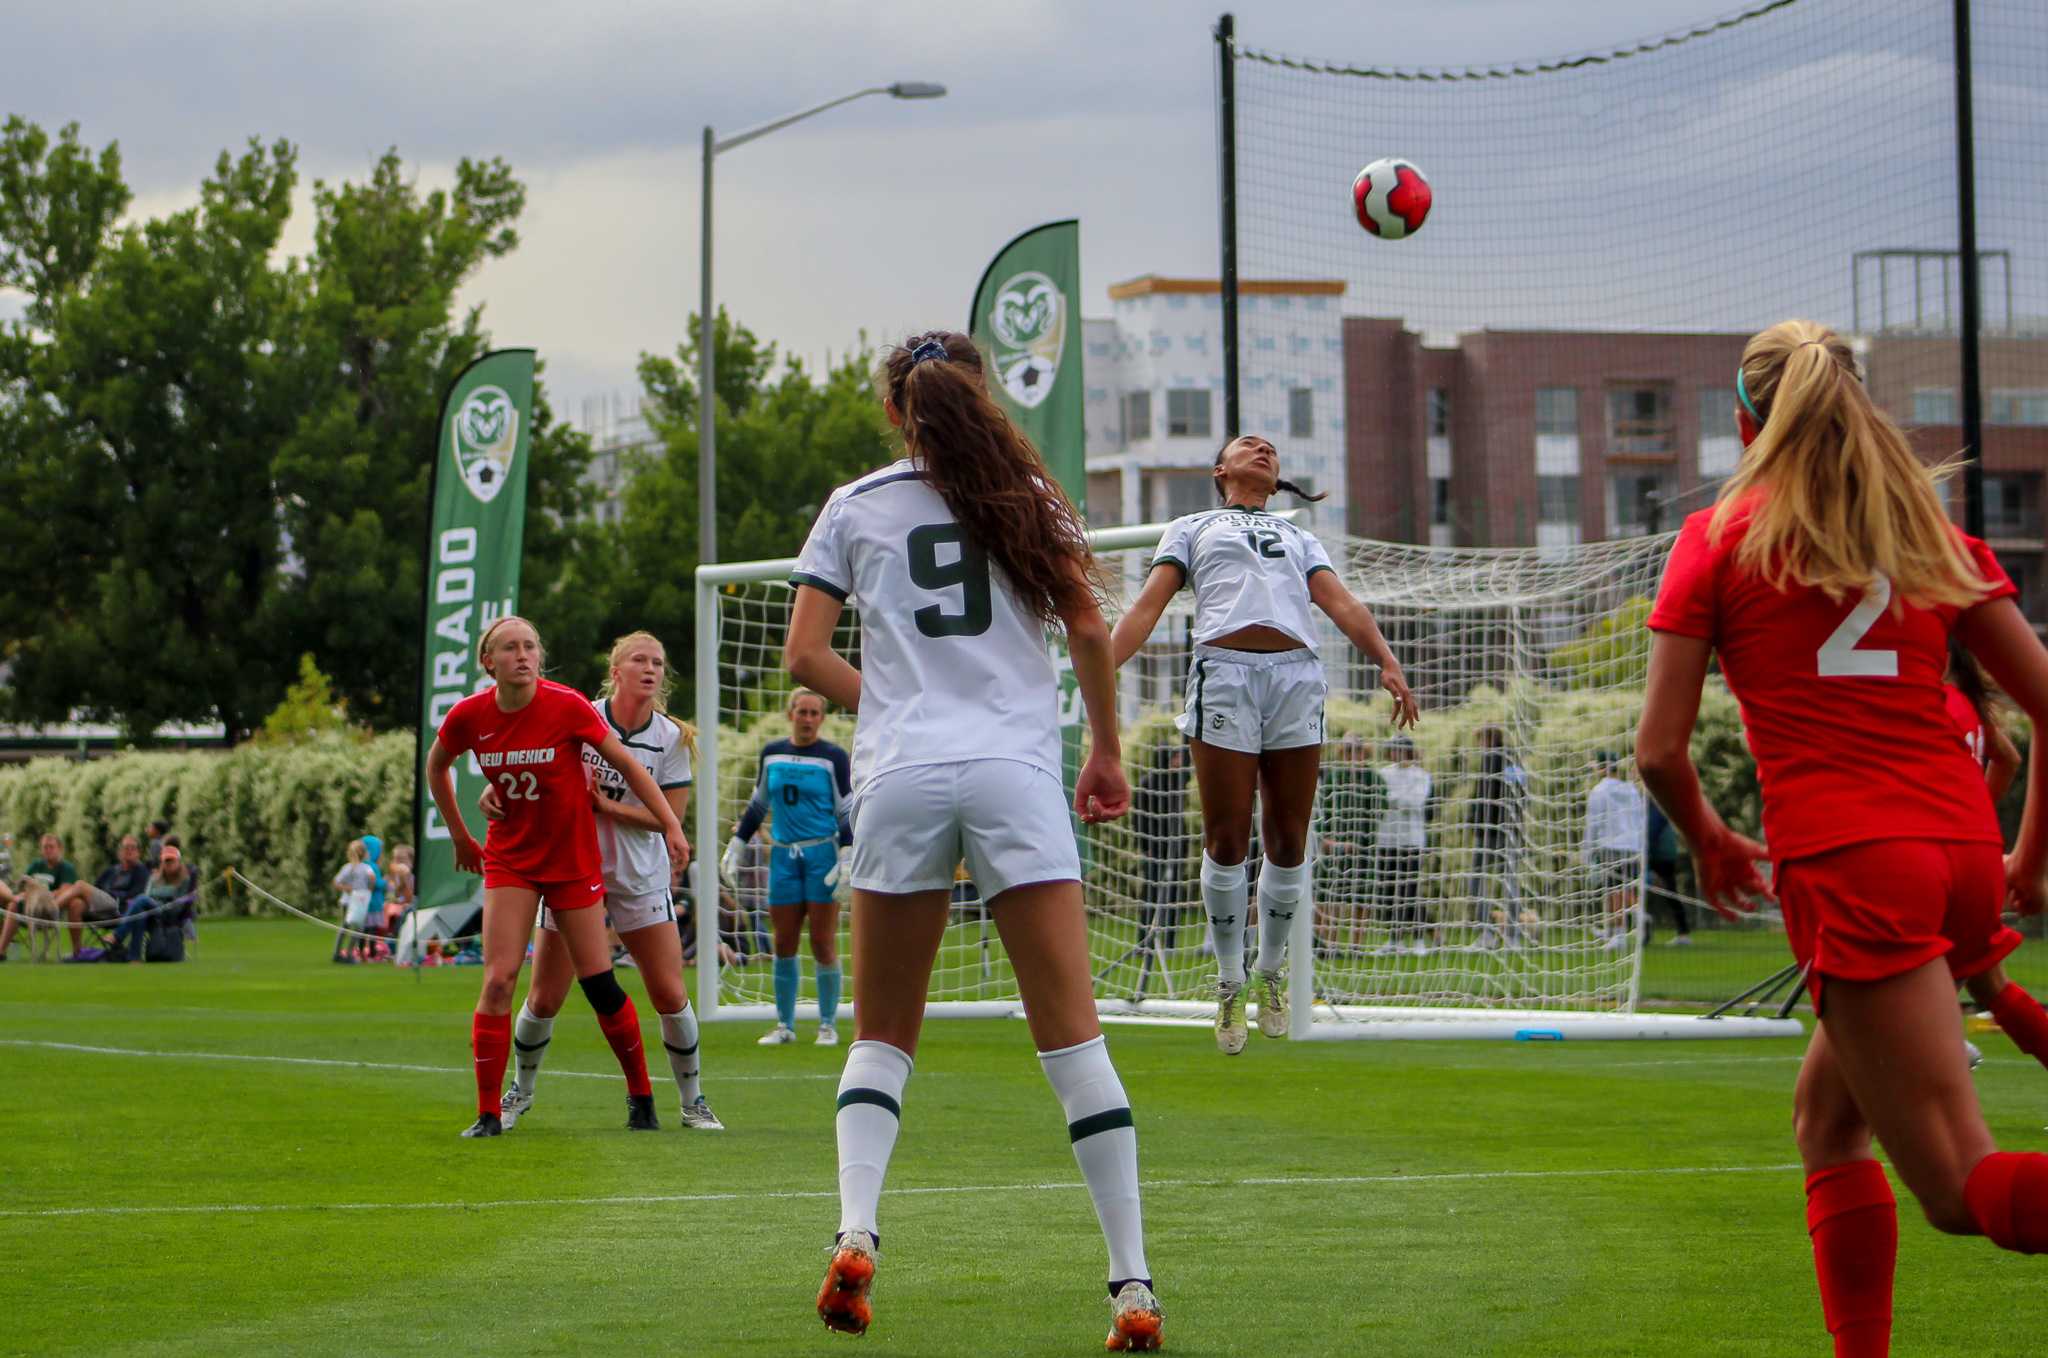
<point x="1392" y="198"/>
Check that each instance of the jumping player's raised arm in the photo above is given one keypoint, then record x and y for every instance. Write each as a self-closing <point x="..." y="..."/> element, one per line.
<point x="1135" y="626"/>
<point x="1359" y="627"/>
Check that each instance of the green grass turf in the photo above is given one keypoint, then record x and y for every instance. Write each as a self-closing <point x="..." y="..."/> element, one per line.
<point x="1315" y="1198"/>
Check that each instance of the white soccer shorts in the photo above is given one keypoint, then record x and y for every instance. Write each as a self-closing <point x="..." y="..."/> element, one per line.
<point x="1252" y="701"/>
<point x="1007" y="819"/>
<point x="626" y="913"/>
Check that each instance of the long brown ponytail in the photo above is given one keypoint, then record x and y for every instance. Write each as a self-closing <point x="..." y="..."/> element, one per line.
<point x="988" y="473"/>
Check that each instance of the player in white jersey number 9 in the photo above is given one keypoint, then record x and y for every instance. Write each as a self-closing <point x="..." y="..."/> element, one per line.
<point x="1254" y="705"/>
<point x="961" y="557"/>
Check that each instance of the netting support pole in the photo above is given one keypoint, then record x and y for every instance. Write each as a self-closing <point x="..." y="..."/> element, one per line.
<point x="704" y="862"/>
<point x="1966" y="251"/>
<point x="1226" y="184"/>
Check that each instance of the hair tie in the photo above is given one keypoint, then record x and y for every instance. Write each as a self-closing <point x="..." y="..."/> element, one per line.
<point x="930" y="349"/>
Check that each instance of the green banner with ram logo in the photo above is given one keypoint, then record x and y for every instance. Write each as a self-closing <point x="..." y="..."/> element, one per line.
<point x="474" y="537"/>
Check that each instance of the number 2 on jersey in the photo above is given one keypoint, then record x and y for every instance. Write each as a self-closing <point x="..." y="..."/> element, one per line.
<point x="1839" y="658"/>
<point x="969" y="575"/>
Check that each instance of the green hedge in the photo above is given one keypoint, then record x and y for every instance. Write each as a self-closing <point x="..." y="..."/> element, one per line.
<point x="282" y="814"/>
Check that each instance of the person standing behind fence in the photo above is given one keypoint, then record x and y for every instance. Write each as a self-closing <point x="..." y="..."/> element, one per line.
<point x="1660" y="858"/>
<point x="1500" y="795"/>
<point x="1354" y="801"/>
<point x="1164" y="840"/>
<point x="1613" y="848"/>
<point x="356" y="881"/>
<point x="1404" y="843"/>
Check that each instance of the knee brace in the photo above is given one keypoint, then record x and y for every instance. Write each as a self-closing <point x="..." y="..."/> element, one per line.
<point x="603" y="991"/>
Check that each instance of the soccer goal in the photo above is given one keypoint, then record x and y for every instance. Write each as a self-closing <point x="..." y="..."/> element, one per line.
<point x="1476" y="909"/>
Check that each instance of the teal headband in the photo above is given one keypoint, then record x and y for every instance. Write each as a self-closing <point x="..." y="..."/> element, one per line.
<point x="1742" y="395"/>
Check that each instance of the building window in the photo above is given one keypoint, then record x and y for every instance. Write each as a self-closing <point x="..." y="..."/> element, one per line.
<point x="1557" y="411"/>
<point x="1639" y="422"/>
<point x="1301" y="418"/>
<point x="1439" y="413"/>
<point x="1638" y="502"/>
<point x="1137" y="416"/>
<point x="1720" y="441"/>
<point x="1440" y="501"/>
<point x="1105" y="499"/>
<point x="1557" y="499"/>
<point x="1187" y="413"/>
<point x="2012" y="505"/>
<point x="2018" y="407"/>
<point x="1170" y="494"/>
<point x="2025" y="570"/>
<point x="1934" y="406"/>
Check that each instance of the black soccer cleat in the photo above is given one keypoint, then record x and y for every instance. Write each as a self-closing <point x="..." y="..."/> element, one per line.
<point x="640" y="1113"/>
<point x="486" y="1124"/>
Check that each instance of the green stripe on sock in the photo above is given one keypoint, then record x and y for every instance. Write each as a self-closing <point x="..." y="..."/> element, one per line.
<point x="883" y="1101"/>
<point x="1108" y="1120"/>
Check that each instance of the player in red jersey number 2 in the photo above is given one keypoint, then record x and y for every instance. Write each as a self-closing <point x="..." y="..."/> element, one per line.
<point x="1828" y="580"/>
<point x="528" y="735"/>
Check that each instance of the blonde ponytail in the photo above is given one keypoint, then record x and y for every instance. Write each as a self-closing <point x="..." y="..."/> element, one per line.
<point x="1837" y="496"/>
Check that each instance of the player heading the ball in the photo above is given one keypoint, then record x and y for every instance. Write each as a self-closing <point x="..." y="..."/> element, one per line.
<point x="960" y="556"/>
<point x="1828" y="579"/>
<point x="1254" y="712"/>
<point x="528" y="735"/>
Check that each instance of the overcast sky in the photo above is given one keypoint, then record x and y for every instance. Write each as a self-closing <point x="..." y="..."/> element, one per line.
<point x="877" y="216"/>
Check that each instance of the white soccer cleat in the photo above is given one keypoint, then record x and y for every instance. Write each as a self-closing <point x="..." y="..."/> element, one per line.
<point x="1389" y="949"/>
<point x="828" y="1036"/>
<point x="1418" y="949"/>
<point x="698" y="1117"/>
<point x="1135" y="1320"/>
<point x="778" y="1036"/>
<point x="1616" y="942"/>
<point x="1230" y="1033"/>
<point x="1272" y="1005"/>
<point x="513" y="1105"/>
<point x="1971" y="1054"/>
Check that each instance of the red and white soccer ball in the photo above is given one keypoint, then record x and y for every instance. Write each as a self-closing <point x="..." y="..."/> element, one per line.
<point x="1392" y="198"/>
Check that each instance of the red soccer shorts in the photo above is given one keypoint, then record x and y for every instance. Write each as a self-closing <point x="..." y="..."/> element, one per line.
<point x="1870" y="911"/>
<point x="578" y="893"/>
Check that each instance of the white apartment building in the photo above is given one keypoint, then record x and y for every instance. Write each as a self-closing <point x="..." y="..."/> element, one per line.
<point x="1155" y="394"/>
<point x="618" y="428"/>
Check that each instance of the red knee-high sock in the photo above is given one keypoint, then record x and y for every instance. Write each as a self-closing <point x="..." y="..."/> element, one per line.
<point x="2008" y="1195"/>
<point x="1854" y="1222"/>
<point x="2023" y="1019"/>
<point x="622" y="1030"/>
<point x="490" y="1041"/>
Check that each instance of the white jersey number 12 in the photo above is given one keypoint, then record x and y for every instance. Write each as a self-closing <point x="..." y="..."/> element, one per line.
<point x="1839" y="658"/>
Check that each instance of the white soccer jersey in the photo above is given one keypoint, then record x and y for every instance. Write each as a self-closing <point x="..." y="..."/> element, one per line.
<point x="636" y="860"/>
<point x="1247" y="568"/>
<point x="952" y="667"/>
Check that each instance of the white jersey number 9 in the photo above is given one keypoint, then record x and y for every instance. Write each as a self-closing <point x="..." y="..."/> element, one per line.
<point x="1839" y="658"/>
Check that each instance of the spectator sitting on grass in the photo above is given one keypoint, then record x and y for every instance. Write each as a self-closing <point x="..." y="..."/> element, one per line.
<point x="173" y="887"/>
<point x="101" y="900"/>
<point x="54" y="871"/>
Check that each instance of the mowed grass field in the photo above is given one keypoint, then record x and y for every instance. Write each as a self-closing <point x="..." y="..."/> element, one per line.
<point x="256" y="1153"/>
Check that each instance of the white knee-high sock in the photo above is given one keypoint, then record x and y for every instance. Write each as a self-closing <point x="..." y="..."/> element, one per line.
<point x="679" y="1035"/>
<point x="1282" y="894"/>
<point x="870" y="1111"/>
<point x="1106" y="1146"/>
<point x="530" y="1038"/>
<point x="1223" y="896"/>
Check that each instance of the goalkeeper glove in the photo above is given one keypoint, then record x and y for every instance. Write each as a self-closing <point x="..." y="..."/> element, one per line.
<point x="729" y="863"/>
<point x="837" y="870"/>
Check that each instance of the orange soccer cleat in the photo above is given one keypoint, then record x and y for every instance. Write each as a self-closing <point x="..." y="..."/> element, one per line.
<point x="843" y="1298"/>
<point x="1135" y="1320"/>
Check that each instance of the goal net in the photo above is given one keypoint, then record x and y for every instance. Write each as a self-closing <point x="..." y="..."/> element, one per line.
<point x="1455" y="890"/>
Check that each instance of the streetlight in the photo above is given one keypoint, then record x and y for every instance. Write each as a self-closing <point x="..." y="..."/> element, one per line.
<point x="707" y="405"/>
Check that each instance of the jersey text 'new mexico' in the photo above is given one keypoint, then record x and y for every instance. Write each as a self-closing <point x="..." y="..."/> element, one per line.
<point x="1247" y="568"/>
<point x="534" y="757"/>
<point x="952" y="667"/>
<point x="636" y="860"/>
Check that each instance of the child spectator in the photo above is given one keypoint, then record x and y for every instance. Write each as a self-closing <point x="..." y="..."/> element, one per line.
<point x="400" y="891"/>
<point x="356" y="881"/>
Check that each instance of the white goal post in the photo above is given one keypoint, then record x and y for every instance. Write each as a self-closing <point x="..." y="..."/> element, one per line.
<point x="1504" y="923"/>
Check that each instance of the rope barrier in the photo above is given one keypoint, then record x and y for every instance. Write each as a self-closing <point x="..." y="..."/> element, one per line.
<point x="342" y="929"/>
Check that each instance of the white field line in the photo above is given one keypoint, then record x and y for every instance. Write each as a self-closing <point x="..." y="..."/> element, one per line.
<point x="552" y="1071"/>
<point x="663" y="1199"/>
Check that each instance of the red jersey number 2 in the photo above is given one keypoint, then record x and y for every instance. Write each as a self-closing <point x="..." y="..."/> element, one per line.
<point x="1839" y="658"/>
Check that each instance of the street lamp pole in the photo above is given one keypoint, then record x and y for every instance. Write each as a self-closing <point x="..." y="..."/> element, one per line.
<point x="707" y="370"/>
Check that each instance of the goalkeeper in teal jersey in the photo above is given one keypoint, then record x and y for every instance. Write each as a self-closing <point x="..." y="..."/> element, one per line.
<point x="805" y="784"/>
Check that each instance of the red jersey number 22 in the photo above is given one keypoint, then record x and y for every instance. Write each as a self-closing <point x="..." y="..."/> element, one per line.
<point x="1839" y="658"/>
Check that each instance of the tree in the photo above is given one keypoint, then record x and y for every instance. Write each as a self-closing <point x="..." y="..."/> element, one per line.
<point x="785" y="440"/>
<point x="309" y="709"/>
<point x="213" y="461"/>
